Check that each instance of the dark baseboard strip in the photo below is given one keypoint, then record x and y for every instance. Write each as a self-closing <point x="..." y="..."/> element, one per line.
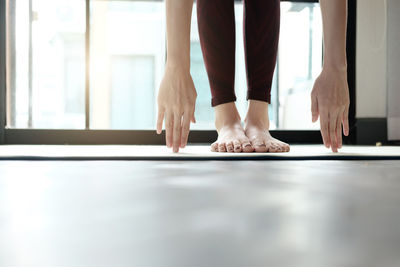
<point x="370" y="131"/>
<point x="132" y="137"/>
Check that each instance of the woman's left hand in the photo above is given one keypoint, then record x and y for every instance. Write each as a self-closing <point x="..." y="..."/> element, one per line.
<point x="330" y="101"/>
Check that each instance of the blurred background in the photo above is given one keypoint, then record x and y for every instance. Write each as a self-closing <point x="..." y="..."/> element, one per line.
<point x="127" y="56"/>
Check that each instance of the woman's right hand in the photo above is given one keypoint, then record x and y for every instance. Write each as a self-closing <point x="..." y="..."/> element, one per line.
<point x="176" y="103"/>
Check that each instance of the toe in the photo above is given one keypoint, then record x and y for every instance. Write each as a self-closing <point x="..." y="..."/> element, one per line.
<point x="285" y="147"/>
<point x="221" y="147"/>
<point x="229" y="147"/>
<point x="272" y="148"/>
<point x="214" y="147"/>
<point x="278" y="146"/>
<point x="246" y="146"/>
<point x="259" y="146"/>
<point x="237" y="146"/>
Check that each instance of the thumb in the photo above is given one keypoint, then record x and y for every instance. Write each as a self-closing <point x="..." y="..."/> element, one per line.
<point x="314" y="108"/>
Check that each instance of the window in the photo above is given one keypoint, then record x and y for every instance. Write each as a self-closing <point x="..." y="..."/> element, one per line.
<point x="127" y="63"/>
<point x="46" y="40"/>
<point x="132" y="92"/>
<point x="49" y="87"/>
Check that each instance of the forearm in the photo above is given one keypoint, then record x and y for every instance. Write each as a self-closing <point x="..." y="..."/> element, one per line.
<point x="179" y="13"/>
<point x="334" y="18"/>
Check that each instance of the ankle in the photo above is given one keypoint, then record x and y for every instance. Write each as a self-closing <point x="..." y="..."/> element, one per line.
<point x="226" y="113"/>
<point x="262" y="123"/>
<point x="257" y="114"/>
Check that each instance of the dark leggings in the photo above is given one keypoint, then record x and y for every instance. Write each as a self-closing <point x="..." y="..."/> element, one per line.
<point x="216" y="21"/>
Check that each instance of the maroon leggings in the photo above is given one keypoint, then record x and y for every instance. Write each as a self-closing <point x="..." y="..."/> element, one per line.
<point x="216" y="21"/>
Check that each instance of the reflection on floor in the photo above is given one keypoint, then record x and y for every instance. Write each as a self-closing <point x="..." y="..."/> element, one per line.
<point x="200" y="213"/>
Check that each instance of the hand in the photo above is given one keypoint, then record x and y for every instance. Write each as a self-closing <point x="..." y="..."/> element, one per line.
<point x="176" y="99"/>
<point x="330" y="101"/>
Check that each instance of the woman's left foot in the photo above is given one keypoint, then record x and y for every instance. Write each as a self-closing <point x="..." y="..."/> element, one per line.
<point x="256" y="126"/>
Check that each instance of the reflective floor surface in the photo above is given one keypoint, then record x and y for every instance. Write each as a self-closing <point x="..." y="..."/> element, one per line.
<point x="200" y="213"/>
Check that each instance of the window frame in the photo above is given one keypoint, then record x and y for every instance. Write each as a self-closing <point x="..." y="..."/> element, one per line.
<point x="94" y="136"/>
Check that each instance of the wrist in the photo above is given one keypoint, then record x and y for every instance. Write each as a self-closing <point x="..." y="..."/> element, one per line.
<point x="336" y="67"/>
<point x="335" y="60"/>
<point x="178" y="64"/>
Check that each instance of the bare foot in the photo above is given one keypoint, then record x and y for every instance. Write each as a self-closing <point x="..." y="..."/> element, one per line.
<point x="257" y="129"/>
<point x="231" y="135"/>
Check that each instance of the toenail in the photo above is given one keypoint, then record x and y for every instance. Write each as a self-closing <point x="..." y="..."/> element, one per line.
<point x="247" y="145"/>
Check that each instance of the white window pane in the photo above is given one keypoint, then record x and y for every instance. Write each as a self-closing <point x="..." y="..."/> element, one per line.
<point x="127" y="63"/>
<point x="58" y="60"/>
<point x="300" y="62"/>
<point x="132" y="92"/>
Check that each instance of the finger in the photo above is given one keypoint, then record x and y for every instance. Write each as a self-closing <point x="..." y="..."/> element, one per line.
<point x="177" y="131"/>
<point x="339" y="130"/>
<point x="332" y="131"/>
<point x="169" y="122"/>
<point x="185" y="129"/>
<point x="314" y="108"/>
<point x="160" y="120"/>
<point x="193" y="119"/>
<point x="346" y="122"/>
<point x="324" y="129"/>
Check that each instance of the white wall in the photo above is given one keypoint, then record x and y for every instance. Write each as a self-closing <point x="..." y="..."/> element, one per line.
<point x="371" y="63"/>
<point x="393" y="73"/>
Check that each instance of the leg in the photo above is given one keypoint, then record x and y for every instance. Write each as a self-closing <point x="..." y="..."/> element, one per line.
<point x="216" y="21"/>
<point x="261" y="37"/>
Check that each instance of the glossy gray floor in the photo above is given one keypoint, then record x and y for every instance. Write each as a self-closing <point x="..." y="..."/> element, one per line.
<point x="200" y="213"/>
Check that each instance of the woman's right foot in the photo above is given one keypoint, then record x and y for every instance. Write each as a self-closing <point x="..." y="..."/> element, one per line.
<point x="256" y="125"/>
<point x="231" y="135"/>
